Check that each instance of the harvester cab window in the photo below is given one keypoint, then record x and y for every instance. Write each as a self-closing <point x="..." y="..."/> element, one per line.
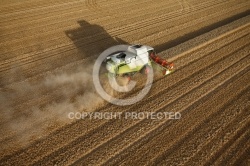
<point x="137" y="46"/>
<point x="121" y="55"/>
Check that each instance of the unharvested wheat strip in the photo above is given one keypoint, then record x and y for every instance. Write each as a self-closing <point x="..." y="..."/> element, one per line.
<point x="154" y="16"/>
<point x="71" y="12"/>
<point x="124" y="27"/>
<point x="68" y="7"/>
<point x="159" y="21"/>
<point x="171" y="16"/>
<point x="56" y="26"/>
<point x="42" y="29"/>
<point x="36" y="35"/>
<point x="111" y="33"/>
<point x="134" y="5"/>
<point x="138" y="15"/>
<point x="128" y="29"/>
<point x="14" y="8"/>
<point x="39" y="57"/>
<point x="36" y="12"/>
<point x="147" y="42"/>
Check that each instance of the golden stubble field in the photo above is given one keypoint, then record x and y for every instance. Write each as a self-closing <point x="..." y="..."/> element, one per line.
<point x="47" y="51"/>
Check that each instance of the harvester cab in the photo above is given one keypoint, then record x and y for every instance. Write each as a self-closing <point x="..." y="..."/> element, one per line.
<point x="135" y="59"/>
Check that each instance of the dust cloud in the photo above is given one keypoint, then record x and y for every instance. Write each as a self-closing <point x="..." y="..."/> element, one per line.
<point x="30" y="109"/>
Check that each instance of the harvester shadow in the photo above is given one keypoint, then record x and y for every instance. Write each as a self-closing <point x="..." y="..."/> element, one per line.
<point x="91" y="39"/>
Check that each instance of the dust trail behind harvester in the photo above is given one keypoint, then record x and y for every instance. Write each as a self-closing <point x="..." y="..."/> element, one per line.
<point x="29" y="109"/>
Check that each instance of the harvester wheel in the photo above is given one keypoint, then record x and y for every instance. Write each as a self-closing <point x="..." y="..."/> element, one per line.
<point x="128" y="78"/>
<point x="146" y="69"/>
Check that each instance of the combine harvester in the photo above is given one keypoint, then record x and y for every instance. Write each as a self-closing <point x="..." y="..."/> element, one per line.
<point x="138" y="58"/>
